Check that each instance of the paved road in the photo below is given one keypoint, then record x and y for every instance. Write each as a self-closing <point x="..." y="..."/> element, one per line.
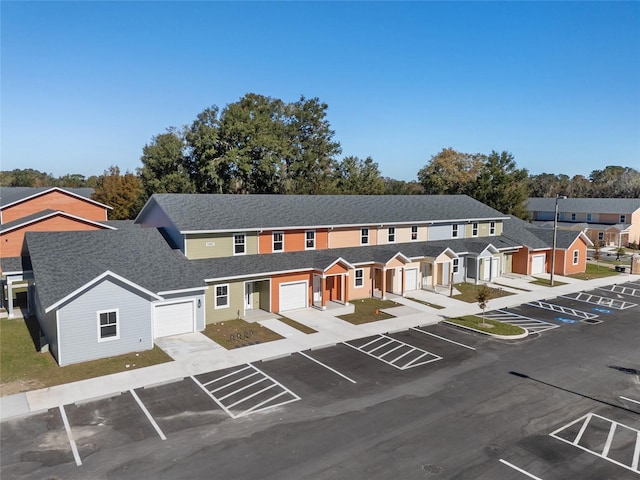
<point x="481" y="410"/>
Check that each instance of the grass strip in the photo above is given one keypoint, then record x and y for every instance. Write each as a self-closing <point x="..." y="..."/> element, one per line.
<point x="238" y="333"/>
<point x="487" y="325"/>
<point x="296" y="325"/>
<point x="369" y="310"/>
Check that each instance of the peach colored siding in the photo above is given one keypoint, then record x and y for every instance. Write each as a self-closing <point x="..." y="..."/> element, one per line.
<point x="365" y="291"/>
<point x="569" y="267"/>
<point x="11" y="243"/>
<point x="55" y="201"/>
<point x="336" y="269"/>
<point x="349" y="237"/>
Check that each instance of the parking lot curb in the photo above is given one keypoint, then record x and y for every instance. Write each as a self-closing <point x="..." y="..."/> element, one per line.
<point x="500" y="337"/>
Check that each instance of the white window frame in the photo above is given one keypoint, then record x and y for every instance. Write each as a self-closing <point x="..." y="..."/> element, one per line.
<point x="307" y="239"/>
<point x="455" y="265"/>
<point x="391" y="235"/>
<point x="244" y="243"/>
<point x="623" y="218"/>
<point x="601" y="236"/>
<point x="455" y="231"/>
<point x="356" y="278"/>
<point x="216" y="296"/>
<point x="589" y="217"/>
<point x="475" y="228"/>
<point x="573" y="217"/>
<point x="576" y="257"/>
<point x="117" y="324"/>
<point x="274" y="242"/>
<point x="364" y="236"/>
<point x="414" y="233"/>
<point x="492" y="228"/>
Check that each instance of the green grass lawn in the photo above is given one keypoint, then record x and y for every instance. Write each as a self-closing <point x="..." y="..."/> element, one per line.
<point x="497" y="328"/>
<point x="238" y="333"/>
<point x="23" y="368"/>
<point x="428" y="304"/>
<point x="546" y="282"/>
<point x="296" y="325"/>
<point x="469" y="292"/>
<point x="365" y="311"/>
<point x="595" y="271"/>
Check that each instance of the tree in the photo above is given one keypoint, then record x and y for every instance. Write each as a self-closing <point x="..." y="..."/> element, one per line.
<point x="163" y="161"/>
<point x="502" y="186"/>
<point x="123" y="193"/>
<point x="73" y="180"/>
<point x="450" y="172"/>
<point x="597" y="254"/>
<point x="401" y="187"/>
<point x="482" y="297"/>
<point x="203" y="164"/>
<point x="358" y="177"/>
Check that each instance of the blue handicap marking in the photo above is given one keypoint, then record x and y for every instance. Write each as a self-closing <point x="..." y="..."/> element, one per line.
<point x="601" y="310"/>
<point x="566" y="320"/>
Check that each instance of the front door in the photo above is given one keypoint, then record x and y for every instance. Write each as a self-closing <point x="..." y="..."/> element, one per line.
<point x="248" y="296"/>
<point x="317" y="290"/>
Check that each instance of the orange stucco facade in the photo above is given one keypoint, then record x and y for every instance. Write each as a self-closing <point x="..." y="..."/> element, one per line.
<point x="11" y="243"/>
<point x="294" y="240"/>
<point x="55" y="200"/>
<point x="276" y="280"/>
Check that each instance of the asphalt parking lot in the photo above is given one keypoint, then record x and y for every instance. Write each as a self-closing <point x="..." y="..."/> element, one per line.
<point x="432" y="402"/>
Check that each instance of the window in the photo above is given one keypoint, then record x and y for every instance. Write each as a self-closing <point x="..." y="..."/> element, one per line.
<point x="456" y="265"/>
<point x="364" y="236"/>
<point x="239" y="244"/>
<point x="310" y="240"/>
<point x="278" y="241"/>
<point x="454" y="231"/>
<point x="600" y="236"/>
<point x="573" y="217"/>
<point x="558" y="216"/>
<point x="474" y="230"/>
<point x="588" y="217"/>
<point x="391" y="235"/>
<point x="623" y="218"/>
<point x="222" y="296"/>
<point x="492" y="228"/>
<point x="359" y="278"/>
<point x="108" y="325"/>
<point x="414" y="233"/>
<point x="576" y="257"/>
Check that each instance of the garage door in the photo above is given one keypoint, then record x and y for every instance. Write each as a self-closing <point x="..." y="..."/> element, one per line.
<point x="537" y="264"/>
<point x="293" y="295"/>
<point x="173" y="319"/>
<point x="411" y="279"/>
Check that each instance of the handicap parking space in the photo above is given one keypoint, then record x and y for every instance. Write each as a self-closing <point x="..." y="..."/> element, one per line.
<point x="625" y="290"/>
<point x="393" y="352"/>
<point x="179" y="405"/>
<point x="244" y="390"/>
<point x="30" y="442"/>
<point x="107" y="423"/>
<point x="599" y="301"/>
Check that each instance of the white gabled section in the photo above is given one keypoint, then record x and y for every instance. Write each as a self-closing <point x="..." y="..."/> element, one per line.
<point x="96" y="280"/>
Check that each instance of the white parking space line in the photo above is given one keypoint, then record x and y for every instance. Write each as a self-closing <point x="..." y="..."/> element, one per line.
<point x="327" y="367"/>
<point x="518" y="469"/>
<point x="630" y="399"/>
<point x="72" y="442"/>
<point x="234" y="387"/>
<point x="532" y="324"/>
<point x="562" y="309"/>
<point x="442" y="338"/>
<point x="613" y="428"/>
<point x="602" y="301"/>
<point x="148" y="414"/>
<point x="393" y="345"/>
<point x="632" y="292"/>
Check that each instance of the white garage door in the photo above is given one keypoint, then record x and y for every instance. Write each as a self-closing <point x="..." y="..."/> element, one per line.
<point x="293" y="295"/>
<point x="173" y="319"/>
<point x="537" y="264"/>
<point x="411" y="279"/>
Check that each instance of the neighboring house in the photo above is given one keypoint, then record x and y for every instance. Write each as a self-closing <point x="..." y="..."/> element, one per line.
<point x="46" y="209"/>
<point x="611" y="222"/>
<point x="193" y="260"/>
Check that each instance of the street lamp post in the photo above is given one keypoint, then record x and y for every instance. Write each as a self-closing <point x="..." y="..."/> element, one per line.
<point x="555" y="235"/>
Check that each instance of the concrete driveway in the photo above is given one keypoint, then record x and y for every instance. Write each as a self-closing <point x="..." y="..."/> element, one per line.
<point x="181" y="347"/>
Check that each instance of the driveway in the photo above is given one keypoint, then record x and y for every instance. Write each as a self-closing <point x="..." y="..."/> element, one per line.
<point x="181" y="347"/>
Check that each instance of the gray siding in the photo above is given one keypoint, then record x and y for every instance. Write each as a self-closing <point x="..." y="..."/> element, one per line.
<point x="200" y="311"/>
<point x="78" y="323"/>
<point x="443" y="232"/>
<point x="155" y="217"/>
<point x="47" y="323"/>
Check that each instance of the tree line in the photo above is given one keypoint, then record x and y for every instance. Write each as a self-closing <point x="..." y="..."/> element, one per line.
<point x="261" y="144"/>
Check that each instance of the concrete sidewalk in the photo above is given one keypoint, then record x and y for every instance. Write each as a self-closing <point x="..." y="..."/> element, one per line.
<point x="330" y="330"/>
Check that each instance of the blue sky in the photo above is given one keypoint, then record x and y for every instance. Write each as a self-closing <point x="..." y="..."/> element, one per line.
<point x="86" y="85"/>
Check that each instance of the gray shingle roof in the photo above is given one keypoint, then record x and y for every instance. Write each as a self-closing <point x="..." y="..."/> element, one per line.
<point x="536" y="237"/>
<point x="65" y="261"/>
<point x="15" y="264"/>
<point x="34" y="217"/>
<point x="194" y="212"/>
<point x="585" y="205"/>
<point x="10" y="195"/>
